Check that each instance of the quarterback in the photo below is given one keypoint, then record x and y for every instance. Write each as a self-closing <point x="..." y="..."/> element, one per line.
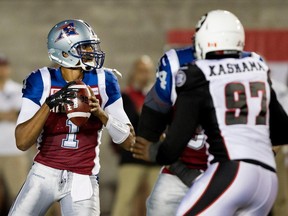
<point x="66" y="166"/>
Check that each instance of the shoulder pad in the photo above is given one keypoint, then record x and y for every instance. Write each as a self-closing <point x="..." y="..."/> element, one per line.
<point x="115" y="71"/>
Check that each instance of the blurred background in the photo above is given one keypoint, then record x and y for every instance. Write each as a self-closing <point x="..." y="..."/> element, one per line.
<point x="129" y="29"/>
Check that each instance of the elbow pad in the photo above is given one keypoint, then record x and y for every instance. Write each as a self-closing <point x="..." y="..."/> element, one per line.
<point x="117" y="130"/>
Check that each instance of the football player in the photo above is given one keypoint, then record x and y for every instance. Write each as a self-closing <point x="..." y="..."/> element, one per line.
<point x="231" y="97"/>
<point x="66" y="167"/>
<point x="156" y="114"/>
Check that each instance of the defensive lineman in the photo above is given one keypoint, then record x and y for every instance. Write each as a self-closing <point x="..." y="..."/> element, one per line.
<point x="232" y="99"/>
<point x="155" y="116"/>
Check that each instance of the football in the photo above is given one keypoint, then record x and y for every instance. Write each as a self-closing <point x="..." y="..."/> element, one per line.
<point x="79" y="111"/>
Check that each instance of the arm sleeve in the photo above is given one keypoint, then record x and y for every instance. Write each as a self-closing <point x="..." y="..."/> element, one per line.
<point x="130" y="110"/>
<point x="278" y="122"/>
<point x="184" y="124"/>
<point x="164" y="81"/>
<point x="28" y="110"/>
<point x="117" y="111"/>
<point x="157" y="106"/>
<point x="152" y="124"/>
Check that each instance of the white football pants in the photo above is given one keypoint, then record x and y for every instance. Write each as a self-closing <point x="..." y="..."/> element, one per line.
<point x="231" y="188"/>
<point x="166" y="195"/>
<point x="45" y="185"/>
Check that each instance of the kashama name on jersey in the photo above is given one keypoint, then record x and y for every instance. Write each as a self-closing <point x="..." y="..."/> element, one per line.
<point x="222" y="69"/>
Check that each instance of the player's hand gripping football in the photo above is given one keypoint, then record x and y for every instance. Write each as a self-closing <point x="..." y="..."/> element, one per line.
<point x="141" y="149"/>
<point x="96" y="109"/>
<point x="63" y="96"/>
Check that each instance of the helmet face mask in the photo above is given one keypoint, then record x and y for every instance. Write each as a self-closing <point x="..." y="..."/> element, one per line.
<point x="218" y="30"/>
<point x="74" y="44"/>
<point x="89" y="54"/>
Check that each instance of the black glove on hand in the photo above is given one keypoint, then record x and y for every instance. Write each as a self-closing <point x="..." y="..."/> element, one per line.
<point x="63" y="96"/>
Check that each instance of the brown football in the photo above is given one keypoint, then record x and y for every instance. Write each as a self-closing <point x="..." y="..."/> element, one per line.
<point x="79" y="111"/>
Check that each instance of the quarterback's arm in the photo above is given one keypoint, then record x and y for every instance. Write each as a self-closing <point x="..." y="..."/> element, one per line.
<point x="115" y="120"/>
<point x="33" y="116"/>
<point x="114" y="117"/>
<point x="118" y="125"/>
<point x="30" y="124"/>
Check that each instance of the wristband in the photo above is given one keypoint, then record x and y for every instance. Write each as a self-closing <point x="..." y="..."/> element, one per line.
<point x="117" y="130"/>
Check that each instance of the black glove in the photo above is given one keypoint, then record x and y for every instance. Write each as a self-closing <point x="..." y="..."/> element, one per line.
<point x="63" y="96"/>
<point x="185" y="174"/>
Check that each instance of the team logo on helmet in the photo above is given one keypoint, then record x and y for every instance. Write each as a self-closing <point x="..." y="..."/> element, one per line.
<point x="68" y="29"/>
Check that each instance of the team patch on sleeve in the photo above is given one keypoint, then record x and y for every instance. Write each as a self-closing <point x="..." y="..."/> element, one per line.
<point x="180" y="78"/>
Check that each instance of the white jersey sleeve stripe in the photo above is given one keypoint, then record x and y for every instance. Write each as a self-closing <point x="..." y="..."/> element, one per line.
<point x="102" y="86"/>
<point x="46" y="84"/>
<point x="174" y="65"/>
